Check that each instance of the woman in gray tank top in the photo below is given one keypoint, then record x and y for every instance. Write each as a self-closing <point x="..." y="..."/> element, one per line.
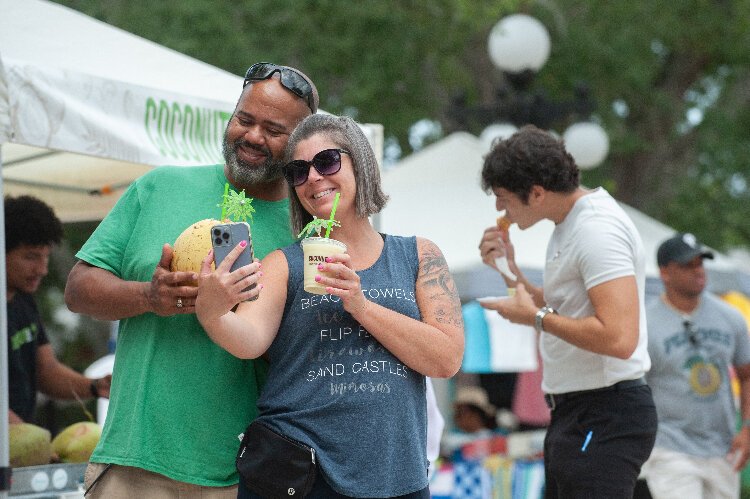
<point x="348" y="366"/>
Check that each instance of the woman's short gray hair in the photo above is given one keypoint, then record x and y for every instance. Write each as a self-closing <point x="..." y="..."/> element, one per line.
<point x="346" y="134"/>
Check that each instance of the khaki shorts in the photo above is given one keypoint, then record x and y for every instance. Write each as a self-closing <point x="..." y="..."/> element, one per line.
<point x="125" y="482"/>
<point x="674" y="475"/>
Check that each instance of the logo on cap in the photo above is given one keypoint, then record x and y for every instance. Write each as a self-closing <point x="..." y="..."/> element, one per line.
<point x="690" y="240"/>
<point x="681" y="248"/>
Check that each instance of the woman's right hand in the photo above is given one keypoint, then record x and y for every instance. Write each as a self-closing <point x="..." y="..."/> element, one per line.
<point x="219" y="291"/>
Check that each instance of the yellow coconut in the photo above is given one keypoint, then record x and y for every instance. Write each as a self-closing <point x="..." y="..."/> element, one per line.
<point x="192" y="246"/>
<point x="29" y="445"/>
<point x="76" y="442"/>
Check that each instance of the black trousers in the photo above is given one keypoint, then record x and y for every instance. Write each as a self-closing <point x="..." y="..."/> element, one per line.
<point x="596" y="443"/>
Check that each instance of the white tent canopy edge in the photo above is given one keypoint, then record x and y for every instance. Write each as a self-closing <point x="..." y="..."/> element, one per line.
<point x="84" y="90"/>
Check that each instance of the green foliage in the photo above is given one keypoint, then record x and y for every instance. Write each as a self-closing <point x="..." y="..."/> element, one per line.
<point x="396" y="63"/>
<point x="712" y="197"/>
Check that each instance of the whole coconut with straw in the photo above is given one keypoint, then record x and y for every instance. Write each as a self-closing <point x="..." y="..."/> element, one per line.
<point x="194" y="243"/>
<point x="192" y="246"/>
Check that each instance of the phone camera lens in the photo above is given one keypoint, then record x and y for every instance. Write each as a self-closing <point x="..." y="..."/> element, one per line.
<point x="225" y="236"/>
<point x="217" y="240"/>
<point x="217" y="232"/>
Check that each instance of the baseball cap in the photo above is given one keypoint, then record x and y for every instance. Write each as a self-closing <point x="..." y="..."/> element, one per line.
<point x="681" y="248"/>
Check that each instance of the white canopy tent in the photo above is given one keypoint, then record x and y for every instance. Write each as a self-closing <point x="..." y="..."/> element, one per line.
<point x="85" y="108"/>
<point x="436" y="193"/>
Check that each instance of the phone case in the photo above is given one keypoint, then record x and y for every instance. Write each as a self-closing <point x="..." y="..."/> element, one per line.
<point x="225" y="237"/>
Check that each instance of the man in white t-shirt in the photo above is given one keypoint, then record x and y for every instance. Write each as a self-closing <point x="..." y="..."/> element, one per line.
<point x="589" y="313"/>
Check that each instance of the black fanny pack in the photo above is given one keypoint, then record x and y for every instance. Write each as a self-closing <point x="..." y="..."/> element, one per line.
<point x="273" y="465"/>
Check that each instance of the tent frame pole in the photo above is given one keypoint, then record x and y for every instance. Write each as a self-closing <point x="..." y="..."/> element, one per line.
<point x="5" y="470"/>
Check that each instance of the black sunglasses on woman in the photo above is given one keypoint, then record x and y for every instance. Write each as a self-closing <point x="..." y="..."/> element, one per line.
<point x="326" y="162"/>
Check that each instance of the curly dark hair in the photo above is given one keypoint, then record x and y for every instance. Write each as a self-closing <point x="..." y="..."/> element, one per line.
<point x="30" y="221"/>
<point x="527" y="158"/>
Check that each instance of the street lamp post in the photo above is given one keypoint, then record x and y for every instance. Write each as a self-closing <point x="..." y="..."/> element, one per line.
<point x="519" y="45"/>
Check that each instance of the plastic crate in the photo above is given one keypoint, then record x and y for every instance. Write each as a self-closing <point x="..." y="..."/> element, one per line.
<point x="54" y="481"/>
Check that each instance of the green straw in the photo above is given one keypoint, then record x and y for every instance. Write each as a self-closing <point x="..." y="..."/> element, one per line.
<point x="224" y="204"/>
<point x="333" y="212"/>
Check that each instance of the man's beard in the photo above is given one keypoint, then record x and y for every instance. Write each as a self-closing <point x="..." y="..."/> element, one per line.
<point x="243" y="173"/>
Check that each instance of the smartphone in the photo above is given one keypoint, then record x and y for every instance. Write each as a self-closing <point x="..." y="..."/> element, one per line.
<point x="225" y="237"/>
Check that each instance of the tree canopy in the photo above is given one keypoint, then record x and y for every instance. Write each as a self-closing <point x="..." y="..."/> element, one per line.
<point x="671" y="79"/>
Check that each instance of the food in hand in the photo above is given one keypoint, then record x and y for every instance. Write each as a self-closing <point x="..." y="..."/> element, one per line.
<point x="503" y="223"/>
<point x="76" y="442"/>
<point x="192" y="246"/>
<point x="29" y="445"/>
<point x="501" y="262"/>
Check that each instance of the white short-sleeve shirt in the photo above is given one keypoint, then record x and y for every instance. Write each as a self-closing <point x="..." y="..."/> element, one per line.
<point x="597" y="242"/>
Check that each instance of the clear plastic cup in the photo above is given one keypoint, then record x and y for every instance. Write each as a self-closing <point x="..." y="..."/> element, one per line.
<point x="315" y="250"/>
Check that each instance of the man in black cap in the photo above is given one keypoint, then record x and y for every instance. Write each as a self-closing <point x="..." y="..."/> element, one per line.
<point x="694" y="339"/>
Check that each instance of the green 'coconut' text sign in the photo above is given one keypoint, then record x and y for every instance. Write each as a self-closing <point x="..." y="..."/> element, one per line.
<point x="186" y="132"/>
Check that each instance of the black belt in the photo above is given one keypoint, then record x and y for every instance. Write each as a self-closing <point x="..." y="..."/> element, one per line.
<point x="555" y="399"/>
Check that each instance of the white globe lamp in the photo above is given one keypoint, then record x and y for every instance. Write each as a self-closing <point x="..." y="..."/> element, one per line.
<point x="496" y="131"/>
<point x="588" y="143"/>
<point x="518" y="43"/>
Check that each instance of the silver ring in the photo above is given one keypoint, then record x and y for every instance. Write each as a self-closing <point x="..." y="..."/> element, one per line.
<point x="179" y="302"/>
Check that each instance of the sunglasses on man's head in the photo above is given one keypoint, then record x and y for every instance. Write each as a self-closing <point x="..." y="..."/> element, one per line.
<point x="326" y="162"/>
<point x="290" y="79"/>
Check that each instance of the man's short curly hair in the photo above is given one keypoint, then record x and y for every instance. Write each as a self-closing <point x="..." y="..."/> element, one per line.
<point x="527" y="158"/>
<point x="30" y="221"/>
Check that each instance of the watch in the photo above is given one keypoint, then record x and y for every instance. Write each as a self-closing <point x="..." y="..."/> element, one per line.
<point x="540" y="315"/>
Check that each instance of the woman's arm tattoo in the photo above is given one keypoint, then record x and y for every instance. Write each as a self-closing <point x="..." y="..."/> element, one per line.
<point x="439" y="285"/>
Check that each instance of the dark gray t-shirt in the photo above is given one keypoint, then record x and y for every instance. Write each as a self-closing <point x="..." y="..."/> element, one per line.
<point x="334" y="387"/>
<point x="690" y="377"/>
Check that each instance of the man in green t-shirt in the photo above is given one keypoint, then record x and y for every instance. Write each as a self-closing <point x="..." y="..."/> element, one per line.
<point x="178" y="401"/>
